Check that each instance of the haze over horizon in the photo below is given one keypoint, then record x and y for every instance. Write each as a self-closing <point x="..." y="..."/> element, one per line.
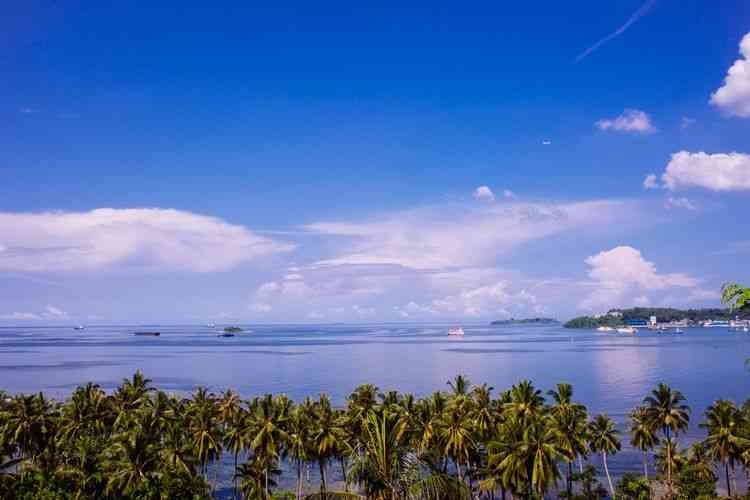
<point x="339" y="163"/>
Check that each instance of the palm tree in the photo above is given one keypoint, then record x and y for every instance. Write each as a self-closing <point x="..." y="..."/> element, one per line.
<point x="455" y="431"/>
<point x="725" y="441"/>
<point x="569" y="419"/>
<point x="540" y="445"/>
<point x="133" y="457"/>
<point x="266" y="425"/>
<point x="328" y="437"/>
<point x="526" y="402"/>
<point x="299" y="438"/>
<point x="736" y="296"/>
<point x="204" y="428"/>
<point x="604" y="439"/>
<point x="665" y="410"/>
<point x="642" y="435"/>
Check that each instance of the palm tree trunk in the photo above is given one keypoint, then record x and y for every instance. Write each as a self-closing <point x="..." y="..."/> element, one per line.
<point x="645" y="465"/>
<point x="346" y="477"/>
<point x="458" y="468"/>
<point x="726" y="473"/>
<point x="299" y="479"/>
<point x="580" y="464"/>
<point x="265" y="473"/>
<point x="235" y="476"/>
<point x="570" y="479"/>
<point x="734" y="478"/>
<point x="321" y="462"/>
<point x="669" y="461"/>
<point x="606" y="470"/>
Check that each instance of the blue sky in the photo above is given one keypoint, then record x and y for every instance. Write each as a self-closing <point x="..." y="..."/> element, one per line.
<point x="303" y="162"/>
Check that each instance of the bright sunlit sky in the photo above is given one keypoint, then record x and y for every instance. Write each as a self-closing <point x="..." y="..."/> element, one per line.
<point x="327" y="162"/>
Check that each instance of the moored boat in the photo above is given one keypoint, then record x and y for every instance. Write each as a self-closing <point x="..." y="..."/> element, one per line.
<point x="79" y="327"/>
<point x="226" y="334"/>
<point x="627" y="329"/>
<point x="456" y="331"/>
<point x="147" y="334"/>
<point x="605" y="329"/>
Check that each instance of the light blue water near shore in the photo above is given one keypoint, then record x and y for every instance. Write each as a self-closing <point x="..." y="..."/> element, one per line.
<point x="610" y="372"/>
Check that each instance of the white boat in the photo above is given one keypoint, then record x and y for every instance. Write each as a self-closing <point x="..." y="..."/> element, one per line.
<point x="678" y="330"/>
<point x="457" y="331"/>
<point x="211" y="325"/>
<point x="79" y="327"/>
<point x="605" y="329"/>
<point x="626" y="329"/>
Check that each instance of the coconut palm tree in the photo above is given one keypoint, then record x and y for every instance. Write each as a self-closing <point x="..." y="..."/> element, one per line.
<point x="526" y="402"/>
<point x="299" y="438"/>
<point x="727" y="437"/>
<point x="736" y="296"/>
<point x="604" y="439"/>
<point x="642" y="435"/>
<point x="455" y="431"/>
<point x="666" y="410"/>
<point x="327" y="438"/>
<point x="540" y="445"/>
<point x="266" y="428"/>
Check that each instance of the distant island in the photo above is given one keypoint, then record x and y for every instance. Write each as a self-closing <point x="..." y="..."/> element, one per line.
<point x="620" y="317"/>
<point x="525" y="321"/>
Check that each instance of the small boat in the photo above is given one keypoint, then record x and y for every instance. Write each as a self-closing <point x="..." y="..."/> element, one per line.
<point x="226" y="334"/>
<point x="79" y="327"/>
<point x="745" y="329"/>
<point x="678" y="330"/>
<point x="147" y="334"/>
<point x="457" y="331"/>
<point x="627" y="329"/>
<point x="605" y="329"/>
<point x="211" y="325"/>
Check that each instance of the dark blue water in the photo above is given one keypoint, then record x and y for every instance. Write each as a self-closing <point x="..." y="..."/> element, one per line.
<point x="610" y="372"/>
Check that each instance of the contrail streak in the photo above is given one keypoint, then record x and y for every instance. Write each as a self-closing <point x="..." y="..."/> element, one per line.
<point x="645" y="8"/>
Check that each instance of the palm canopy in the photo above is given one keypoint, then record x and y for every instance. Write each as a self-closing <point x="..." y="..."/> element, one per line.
<point x="666" y="410"/>
<point x="736" y="296"/>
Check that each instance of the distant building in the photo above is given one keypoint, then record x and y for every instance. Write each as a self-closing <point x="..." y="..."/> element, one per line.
<point x="652" y="320"/>
<point x="637" y="322"/>
<point x="614" y="314"/>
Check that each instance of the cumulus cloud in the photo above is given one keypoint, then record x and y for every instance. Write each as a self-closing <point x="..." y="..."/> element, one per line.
<point x="55" y="312"/>
<point x="650" y="182"/>
<point x="733" y="98"/>
<point x="717" y="172"/>
<point x="141" y="237"/>
<point x="630" y="121"/>
<point x="683" y="203"/>
<point x="621" y="276"/>
<point x="484" y="193"/>
<point x="459" y="235"/>
<point x="48" y="313"/>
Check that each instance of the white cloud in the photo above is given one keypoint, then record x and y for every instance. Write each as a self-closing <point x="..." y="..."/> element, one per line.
<point x="650" y="182"/>
<point x="717" y="172"/>
<point x="462" y="236"/>
<point x="508" y="194"/>
<point x="671" y="203"/>
<point x="621" y="277"/>
<point x="687" y="122"/>
<point x="55" y="312"/>
<point x="733" y="97"/>
<point x="140" y="237"/>
<point x="20" y="316"/>
<point x="363" y="311"/>
<point x="631" y="120"/>
<point x="642" y="11"/>
<point x="484" y="193"/>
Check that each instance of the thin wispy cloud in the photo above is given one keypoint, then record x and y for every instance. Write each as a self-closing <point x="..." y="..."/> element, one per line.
<point x="645" y="9"/>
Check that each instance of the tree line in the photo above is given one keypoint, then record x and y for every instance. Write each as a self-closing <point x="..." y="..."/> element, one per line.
<point x="142" y="443"/>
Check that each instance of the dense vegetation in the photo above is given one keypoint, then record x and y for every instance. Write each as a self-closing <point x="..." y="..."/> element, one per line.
<point x="524" y="321"/>
<point x="663" y="315"/>
<point x="140" y="443"/>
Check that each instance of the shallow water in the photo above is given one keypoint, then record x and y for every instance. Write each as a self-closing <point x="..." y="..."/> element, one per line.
<point x="609" y="372"/>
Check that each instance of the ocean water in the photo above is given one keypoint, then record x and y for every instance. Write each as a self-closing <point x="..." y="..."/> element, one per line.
<point x="609" y="372"/>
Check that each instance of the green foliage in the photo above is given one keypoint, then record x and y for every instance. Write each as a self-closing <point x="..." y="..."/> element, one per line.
<point x="139" y="443"/>
<point x="666" y="314"/>
<point x="633" y="487"/>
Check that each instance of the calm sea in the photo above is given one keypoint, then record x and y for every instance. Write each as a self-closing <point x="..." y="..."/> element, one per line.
<point x="610" y="372"/>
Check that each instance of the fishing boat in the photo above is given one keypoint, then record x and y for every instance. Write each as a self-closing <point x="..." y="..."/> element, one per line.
<point x="627" y="329"/>
<point x="226" y="334"/>
<point x="605" y="329"/>
<point x="79" y="327"/>
<point x="147" y="334"/>
<point x="456" y="331"/>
